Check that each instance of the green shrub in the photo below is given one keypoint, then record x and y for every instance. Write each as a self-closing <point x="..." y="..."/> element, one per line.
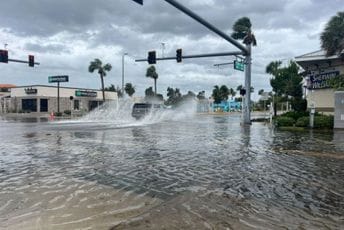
<point x="323" y="122"/>
<point x="295" y="115"/>
<point x="67" y="112"/>
<point x="284" y="121"/>
<point x="302" y="122"/>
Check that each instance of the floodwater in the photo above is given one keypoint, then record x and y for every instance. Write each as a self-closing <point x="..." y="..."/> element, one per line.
<point x="174" y="170"/>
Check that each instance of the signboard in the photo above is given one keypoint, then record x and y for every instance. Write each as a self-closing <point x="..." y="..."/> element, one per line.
<point x="30" y="91"/>
<point x="321" y="81"/>
<point x="239" y="65"/>
<point x="61" y="78"/>
<point x="85" y="93"/>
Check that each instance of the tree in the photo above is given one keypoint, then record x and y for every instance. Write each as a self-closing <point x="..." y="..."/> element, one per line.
<point x="220" y="94"/>
<point x="224" y="92"/>
<point x="232" y="92"/>
<point x="242" y="30"/>
<point x="337" y="82"/>
<point x="110" y="88"/>
<point x="216" y="95"/>
<point x="201" y="95"/>
<point x="129" y="89"/>
<point x="332" y="38"/>
<point x="97" y="65"/>
<point x="261" y="91"/>
<point x="149" y="92"/>
<point x="174" y="96"/>
<point x="286" y="82"/>
<point x="151" y="72"/>
<point x="272" y="67"/>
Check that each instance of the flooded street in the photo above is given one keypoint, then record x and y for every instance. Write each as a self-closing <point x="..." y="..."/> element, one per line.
<point x="183" y="171"/>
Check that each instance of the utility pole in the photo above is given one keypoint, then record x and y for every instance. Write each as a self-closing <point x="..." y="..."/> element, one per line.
<point x="246" y="113"/>
<point x="123" y="72"/>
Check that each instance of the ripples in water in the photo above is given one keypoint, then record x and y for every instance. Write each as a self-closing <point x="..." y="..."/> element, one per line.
<point x="199" y="173"/>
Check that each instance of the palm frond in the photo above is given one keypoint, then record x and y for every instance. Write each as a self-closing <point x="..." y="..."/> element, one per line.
<point x="107" y="67"/>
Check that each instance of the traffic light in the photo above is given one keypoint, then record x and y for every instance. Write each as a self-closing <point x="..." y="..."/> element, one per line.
<point x="139" y="2"/>
<point x="152" y="57"/>
<point x="179" y="55"/>
<point x="4" y="56"/>
<point x="31" y="60"/>
<point x="242" y="92"/>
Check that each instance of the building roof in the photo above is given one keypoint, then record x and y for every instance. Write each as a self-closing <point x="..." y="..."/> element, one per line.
<point x="54" y="86"/>
<point x="5" y="86"/>
<point x="316" y="56"/>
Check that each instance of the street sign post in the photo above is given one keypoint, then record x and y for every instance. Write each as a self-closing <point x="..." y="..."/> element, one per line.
<point x="58" y="79"/>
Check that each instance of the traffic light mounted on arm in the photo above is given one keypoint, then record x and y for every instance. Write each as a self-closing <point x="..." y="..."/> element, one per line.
<point x="31" y="60"/>
<point x="179" y="55"/>
<point x="4" y="56"/>
<point x="152" y="57"/>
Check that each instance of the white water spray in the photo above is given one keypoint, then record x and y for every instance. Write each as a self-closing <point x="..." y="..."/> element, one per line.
<point x="119" y="114"/>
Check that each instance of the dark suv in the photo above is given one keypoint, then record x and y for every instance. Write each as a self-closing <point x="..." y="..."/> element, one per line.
<point x="142" y="109"/>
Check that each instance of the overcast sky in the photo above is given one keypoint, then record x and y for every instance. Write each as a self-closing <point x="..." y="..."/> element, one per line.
<point x="66" y="35"/>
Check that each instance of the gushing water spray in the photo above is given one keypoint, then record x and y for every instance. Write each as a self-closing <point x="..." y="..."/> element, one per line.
<point x="120" y="114"/>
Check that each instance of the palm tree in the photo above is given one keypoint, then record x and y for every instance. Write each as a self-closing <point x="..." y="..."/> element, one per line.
<point x="216" y="94"/>
<point x="232" y="92"/>
<point x="151" y="72"/>
<point x="224" y="92"/>
<point x="97" y="65"/>
<point x="220" y="94"/>
<point x="242" y="30"/>
<point x="129" y="89"/>
<point x="332" y="38"/>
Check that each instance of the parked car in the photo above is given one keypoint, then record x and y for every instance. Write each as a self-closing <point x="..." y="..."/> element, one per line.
<point x="142" y="109"/>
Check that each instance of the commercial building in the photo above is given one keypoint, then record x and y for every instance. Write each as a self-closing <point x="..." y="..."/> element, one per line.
<point x="44" y="99"/>
<point x="318" y="70"/>
<point x="5" y="94"/>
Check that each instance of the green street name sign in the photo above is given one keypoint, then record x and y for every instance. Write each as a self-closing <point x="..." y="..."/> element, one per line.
<point x="85" y="93"/>
<point x="239" y="65"/>
<point x="54" y="79"/>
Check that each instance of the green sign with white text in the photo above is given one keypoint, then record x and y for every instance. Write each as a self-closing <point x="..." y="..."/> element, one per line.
<point x="85" y="93"/>
<point x="239" y="65"/>
<point x="54" y="79"/>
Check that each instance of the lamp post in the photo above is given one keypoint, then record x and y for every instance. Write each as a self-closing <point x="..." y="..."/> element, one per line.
<point x="123" y="72"/>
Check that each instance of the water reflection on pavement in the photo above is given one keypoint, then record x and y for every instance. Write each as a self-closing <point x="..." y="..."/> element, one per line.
<point x="200" y="172"/>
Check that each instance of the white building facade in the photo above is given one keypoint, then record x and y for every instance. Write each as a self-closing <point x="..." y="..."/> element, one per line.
<point x="44" y="99"/>
<point x="318" y="70"/>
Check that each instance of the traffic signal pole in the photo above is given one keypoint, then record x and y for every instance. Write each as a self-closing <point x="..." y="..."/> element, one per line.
<point x="207" y="24"/>
<point x="21" y="61"/>
<point x="195" y="56"/>
<point x="246" y="51"/>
